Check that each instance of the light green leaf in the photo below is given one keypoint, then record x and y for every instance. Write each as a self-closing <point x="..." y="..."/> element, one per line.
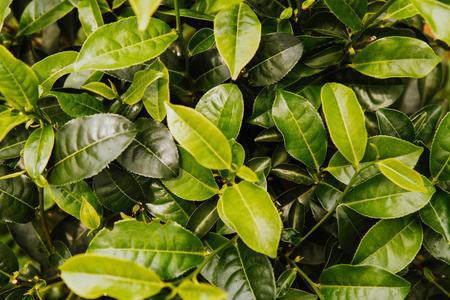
<point x="199" y="137"/>
<point x="345" y="121"/>
<point x="223" y="105"/>
<point x="436" y="214"/>
<point x="396" y="57"/>
<point x="302" y="128"/>
<point x="248" y="174"/>
<point x="440" y="151"/>
<point x="77" y="105"/>
<point x="144" y="10"/>
<point x="19" y="83"/>
<point x="9" y="120"/>
<point x="194" y="181"/>
<point x="237" y="31"/>
<point x="402" y="175"/>
<point x="201" y="41"/>
<point x="437" y="15"/>
<point x="157" y="93"/>
<point x="350" y="12"/>
<point x="169" y="250"/>
<point x="84" y="142"/>
<point x="101" y="89"/>
<point x="141" y="81"/>
<point x="379" y="197"/>
<point x="362" y="282"/>
<point x="103" y="50"/>
<point x="88" y="215"/>
<point x="41" y="13"/>
<point x="90" y="15"/>
<point x="257" y="221"/>
<point x="92" y="276"/>
<point x="38" y="150"/>
<point x="189" y="290"/>
<point x="213" y="6"/>
<point x="4" y="11"/>
<point x="390" y="244"/>
<point x="401" y="9"/>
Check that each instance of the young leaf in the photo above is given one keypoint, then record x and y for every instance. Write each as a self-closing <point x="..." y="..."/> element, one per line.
<point x="157" y="93"/>
<point x="101" y="89"/>
<point x="189" y="290"/>
<point x="401" y="9"/>
<point x="237" y="31"/>
<point x="435" y="214"/>
<point x="88" y="215"/>
<point x="201" y="41"/>
<point x="80" y="142"/>
<point x="104" y="51"/>
<point x="390" y="244"/>
<point x="440" y="152"/>
<point x="144" y="10"/>
<point x="362" y="282"/>
<point x="8" y="264"/>
<point x="4" y="11"/>
<point x="38" y="150"/>
<point x="402" y="175"/>
<point x="92" y="276"/>
<point x="8" y="120"/>
<point x="90" y="15"/>
<point x="248" y="174"/>
<point x="396" y="57"/>
<point x="213" y="6"/>
<point x="199" y="137"/>
<point x="302" y="128"/>
<point x="350" y="12"/>
<point x="436" y="13"/>
<point x="141" y="81"/>
<point x="257" y="221"/>
<point x="78" y="105"/>
<point x="345" y="121"/>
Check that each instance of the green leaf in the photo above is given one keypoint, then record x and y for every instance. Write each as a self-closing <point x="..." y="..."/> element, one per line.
<point x="261" y="166"/>
<point x="277" y="55"/>
<point x="379" y="197"/>
<point x="436" y="244"/>
<point x="144" y="10"/>
<point x="141" y="81"/>
<point x="19" y="83"/>
<point x="8" y="264"/>
<point x="41" y="13"/>
<point x="213" y="6"/>
<point x="189" y="290"/>
<point x="201" y="41"/>
<point x="117" y="189"/>
<point x="248" y="174"/>
<point x="80" y="143"/>
<point x="292" y="173"/>
<point x="157" y="93"/>
<point x="152" y="153"/>
<point x="440" y="152"/>
<point x="262" y="108"/>
<point x="4" y="11"/>
<point x="49" y="69"/>
<point x="199" y="137"/>
<point x="60" y="256"/>
<point x="401" y="9"/>
<point x="269" y="8"/>
<point x="362" y="282"/>
<point x="194" y="182"/>
<point x="38" y="149"/>
<point x="402" y="175"/>
<point x="18" y="197"/>
<point x="302" y="128"/>
<point x="436" y="214"/>
<point x="294" y="294"/>
<point x="426" y="127"/>
<point x="325" y="58"/>
<point x="169" y="250"/>
<point x="396" y="57"/>
<point x="209" y="69"/>
<point x="257" y="221"/>
<point x="395" y="123"/>
<point x="436" y="13"/>
<point x="245" y="274"/>
<point x="90" y="15"/>
<point x="350" y="12"/>
<point x="390" y="244"/>
<point x="223" y="105"/>
<point x="203" y="218"/>
<point x="188" y="13"/>
<point x="78" y="105"/>
<point x="327" y="24"/>
<point x="237" y="159"/>
<point x="13" y="143"/>
<point x="213" y="241"/>
<point x="88" y="215"/>
<point x="102" y="50"/>
<point x="92" y="276"/>
<point x="345" y="121"/>
<point x="101" y="89"/>
<point x="8" y="120"/>
<point x="70" y="198"/>
<point x="285" y="281"/>
<point x="276" y="25"/>
<point x="237" y="31"/>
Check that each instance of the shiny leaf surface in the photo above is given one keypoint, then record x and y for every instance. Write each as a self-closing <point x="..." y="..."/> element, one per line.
<point x="440" y="152"/>
<point x="78" y="105"/>
<point x="350" y="12"/>
<point x="436" y="13"/>
<point x="402" y="175"/>
<point x="157" y="93"/>
<point x="436" y="214"/>
<point x="38" y="149"/>
<point x="144" y="11"/>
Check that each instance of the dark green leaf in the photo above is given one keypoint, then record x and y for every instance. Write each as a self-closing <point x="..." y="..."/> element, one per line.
<point x="426" y="128"/>
<point x="285" y="281"/>
<point x="38" y="149"/>
<point x="395" y="123"/>
<point x="292" y="173"/>
<point x="328" y="192"/>
<point x="296" y="216"/>
<point x="327" y="24"/>
<point x="436" y="244"/>
<point x="78" y="105"/>
<point x="188" y="13"/>
<point x="201" y="41"/>
<point x="203" y="218"/>
<point x="270" y="8"/>
<point x="325" y="58"/>
<point x="209" y="69"/>
<point x="13" y="143"/>
<point x="261" y="166"/>
<point x="350" y="12"/>
<point x="294" y="294"/>
<point x="436" y="214"/>
<point x="53" y="110"/>
<point x="61" y="254"/>
<point x="276" y="25"/>
<point x="440" y="151"/>
<point x="213" y="241"/>
<point x="8" y="264"/>
<point x="262" y="107"/>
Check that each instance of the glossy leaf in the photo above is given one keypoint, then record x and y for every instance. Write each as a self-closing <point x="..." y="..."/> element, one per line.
<point x="327" y="24"/>
<point x="14" y="142"/>
<point x="277" y="55"/>
<point x="194" y="182"/>
<point x="4" y="11"/>
<point x="213" y="241"/>
<point x="269" y="8"/>
<point x="201" y="41"/>
<point x="262" y="108"/>
<point x="88" y="215"/>
<point x="390" y="244"/>
<point x="285" y="281"/>
<point x="41" y="13"/>
<point x="402" y="175"/>
<point x="141" y="81"/>
<point x="60" y="256"/>
<point x="217" y="5"/>
<point x="426" y="127"/>
<point x="8" y="120"/>
<point x="436" y="214"/>
<point x="169" y="250"/>
<point x="78" y="105"/>
<point x="210" y="69"/>
<point x="328" y="192"/>
<point x="395" y="123"/>
<point x="302" y="128"/>
<point x="237" y="31"/>
<point x="152" y="153"/>
<point x="92" y="276"/>
<point x="440" y="152"/>
<point x="362" y="282"/>
<point x="203" y="218"/>
<point x="19" y="83"/>
<point x="248" y="174"/>
<point x="257" y="222"/>
<point x="325" y="58"/>
<point x="134" y="47"/>
<point x="157" y="93"/>
<point x="72" y="155"/>
<point x="90" y="15"/>
<point x="8" y="264"/>
<point x="189" y="290"/>
<point x="101" y="89"/>
<point x="378" y="197"/>
<point x="276" y="25"/>
<point x="237" y="160"/>
<point x="345" y="121"/>
<point x="396" y="57"/>
<point x="436" y="13"/>
<point x="436" y="244"/>
<point x="245" y="274"/>
<point x="350" y="12"/>
<point x="292" y="173"/>
<point x="401" y="9"/>
<point x="294" y="294"/>
<point x="199" y="137"/>
<point x="224" y="107"/>
<point x="38" y="149"/>
<point x="144" y="11"/>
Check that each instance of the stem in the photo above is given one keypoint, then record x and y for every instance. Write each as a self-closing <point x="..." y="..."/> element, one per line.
<point x="44" y="221"/>
<point x="441" y="288"/>
<point x="369" y="22"/>
<point x="310" y="282"/>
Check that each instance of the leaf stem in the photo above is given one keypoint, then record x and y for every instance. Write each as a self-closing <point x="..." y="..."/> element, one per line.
<point x="441" y="288"/>
<point x="312" y="284"/>
<point x="43" y="220"/>
<point x="369" y="22"/>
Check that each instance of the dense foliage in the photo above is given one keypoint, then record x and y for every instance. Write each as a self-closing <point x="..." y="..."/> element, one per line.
<point x="259" y="149"/>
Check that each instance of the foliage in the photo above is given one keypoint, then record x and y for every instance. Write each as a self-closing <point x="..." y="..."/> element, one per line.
<point x="178" y="149"/>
